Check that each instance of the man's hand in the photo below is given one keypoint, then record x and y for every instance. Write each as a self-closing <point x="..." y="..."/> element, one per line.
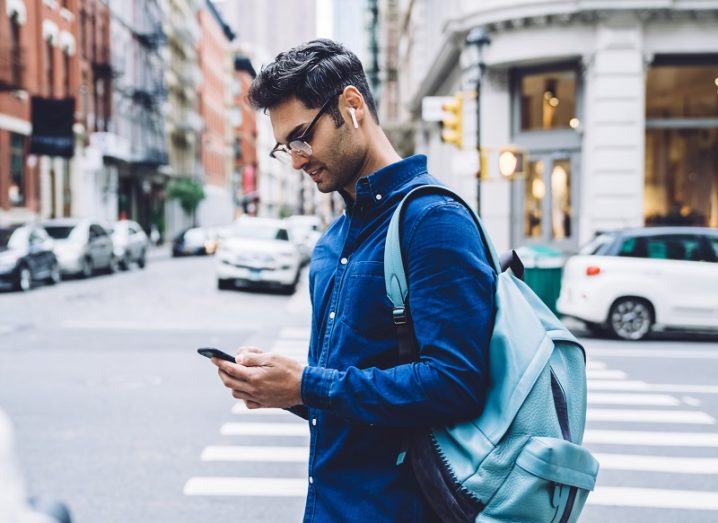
<point x="262" y="379"/>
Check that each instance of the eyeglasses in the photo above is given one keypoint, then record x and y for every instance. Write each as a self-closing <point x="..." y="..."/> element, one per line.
<point x="300" y="147"/>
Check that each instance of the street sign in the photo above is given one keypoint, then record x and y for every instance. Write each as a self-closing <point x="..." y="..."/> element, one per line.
<point x="431" y="108"/>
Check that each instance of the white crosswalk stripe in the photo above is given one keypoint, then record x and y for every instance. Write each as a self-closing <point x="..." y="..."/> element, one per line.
<point x="260" y="424"/>
<point x="628" y="399"/>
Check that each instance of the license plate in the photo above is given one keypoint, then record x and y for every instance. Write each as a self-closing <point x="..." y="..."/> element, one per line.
<point x="255" y="274"/>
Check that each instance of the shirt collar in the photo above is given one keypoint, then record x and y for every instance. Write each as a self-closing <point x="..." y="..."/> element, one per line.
<point x="382" y="183"/>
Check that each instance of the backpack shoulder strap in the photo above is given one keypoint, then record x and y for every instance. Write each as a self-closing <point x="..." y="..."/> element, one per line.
<point x="397" y="287"/>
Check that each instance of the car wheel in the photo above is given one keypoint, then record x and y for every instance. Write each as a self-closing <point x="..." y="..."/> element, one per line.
<point x="55" y="275"/>
<point x="125" y="262"/>
<point x="224" y="285"/>
<point x="114" y="266"/>
<point x="24" y="279"/>
<point x="142" y="261"/>
<point x="86" y="270"/>
<point x="630" y="318"/>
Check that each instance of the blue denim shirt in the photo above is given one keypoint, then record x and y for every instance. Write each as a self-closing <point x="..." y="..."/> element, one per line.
<point x="359" y="397"/>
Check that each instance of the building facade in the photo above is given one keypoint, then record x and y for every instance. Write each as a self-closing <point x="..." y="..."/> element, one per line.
<point x="613" y="108"/>
<point x="215" y="146"/>
<point x="182" y="79"/>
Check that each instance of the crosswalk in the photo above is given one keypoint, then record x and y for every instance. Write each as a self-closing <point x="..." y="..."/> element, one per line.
<point x="266" y="426"/>
<point x="636" y="430"/>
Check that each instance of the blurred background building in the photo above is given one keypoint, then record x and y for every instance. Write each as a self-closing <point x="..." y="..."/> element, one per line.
<point x="607" y="112"/>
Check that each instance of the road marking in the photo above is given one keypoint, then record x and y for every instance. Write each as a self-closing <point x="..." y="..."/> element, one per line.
<point x="602" y="374"/>
<point x="657" y="463"/>
<point x="256" y="453"/>
<point x="241" y="408"/>
<point x="651" y="387"/>
<point x="663" y="400"/>
<point x="264" y="429"/>
<point x="593" y="364"/>
<point x="272" y="487"/>
<point x="650" y="354"/>
<point x="654" y="498"/>
<point x="650" y="416"/>
<point x="659" y="439"/>
<point x="693" y="402"/>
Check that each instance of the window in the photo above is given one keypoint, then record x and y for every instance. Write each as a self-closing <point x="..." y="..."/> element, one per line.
<point x="681" y="179"/>
<point x="548" y="100"/>
<point x="682" y="92"/>
<point x="713" y="241"/>
<point x="49" y="68"/>
<point x="681" y="247"/>
<point x="16" y="192"/>
<point x="15" y="51"/>
<point x="633" y="248"/>
<point x="66" y="71"/>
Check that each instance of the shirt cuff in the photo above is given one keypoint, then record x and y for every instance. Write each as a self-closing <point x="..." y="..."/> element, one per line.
<point x="316" y="384"/>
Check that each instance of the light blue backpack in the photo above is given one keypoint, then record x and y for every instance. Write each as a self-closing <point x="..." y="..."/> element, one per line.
<point x="521" y="460"/>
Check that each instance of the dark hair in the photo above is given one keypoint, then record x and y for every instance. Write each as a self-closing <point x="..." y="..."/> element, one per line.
<point x="312" y="72"/>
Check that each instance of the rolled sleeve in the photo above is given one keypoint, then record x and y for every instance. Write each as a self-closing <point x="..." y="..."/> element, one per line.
<point x="316" y="385"/>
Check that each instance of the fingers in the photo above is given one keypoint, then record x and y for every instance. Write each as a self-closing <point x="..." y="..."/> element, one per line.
<point x="252" y="404"/>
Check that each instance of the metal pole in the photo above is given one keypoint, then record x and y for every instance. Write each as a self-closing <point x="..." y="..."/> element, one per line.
<point x="478" y="37"/>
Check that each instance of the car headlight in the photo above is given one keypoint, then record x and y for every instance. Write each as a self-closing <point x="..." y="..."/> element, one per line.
<point x="8" y="262"/>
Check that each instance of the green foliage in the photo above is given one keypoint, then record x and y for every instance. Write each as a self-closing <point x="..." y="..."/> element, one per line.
<point x="188" y="192"/>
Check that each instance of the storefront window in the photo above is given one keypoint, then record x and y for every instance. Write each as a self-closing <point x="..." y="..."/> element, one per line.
<point x="535" y="191"/>
<point x="16" y="192"/>
<point x="561" y="199"/>
<point x="548" y="101"/>
<point x="682" y="92"/>
<point x="681" y="185"/>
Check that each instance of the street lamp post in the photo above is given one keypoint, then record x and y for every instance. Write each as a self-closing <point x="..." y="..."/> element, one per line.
<point x="478" y="38"/>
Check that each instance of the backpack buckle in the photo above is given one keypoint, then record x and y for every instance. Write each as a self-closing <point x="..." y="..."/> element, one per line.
<point x="399" y="316"/>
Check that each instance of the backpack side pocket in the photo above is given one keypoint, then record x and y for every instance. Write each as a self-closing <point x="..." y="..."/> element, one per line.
<point x="549" y="483"/>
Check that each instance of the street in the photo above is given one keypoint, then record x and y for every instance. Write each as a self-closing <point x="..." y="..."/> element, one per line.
<point x="117" y="415"/>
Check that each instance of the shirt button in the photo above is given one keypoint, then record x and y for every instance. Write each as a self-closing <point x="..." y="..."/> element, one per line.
<point x="331" y="315"/>
<point x="311" y="480"/>
<point x="344" y="261"/>
<point x="314" y="421"/>
<point x="378" y="196"/>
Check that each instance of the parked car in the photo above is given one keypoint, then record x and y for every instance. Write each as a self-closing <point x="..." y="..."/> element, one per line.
<point x="214" y="237"/>
<point x="130" y="242"/>
<point x="258" y="252"/>
<point x="304" y="231"/>
<point x="635" y="280"/>
<point x="82" y="246"/>
<point x="26" y="256"/>
<point x="190" y="242"/>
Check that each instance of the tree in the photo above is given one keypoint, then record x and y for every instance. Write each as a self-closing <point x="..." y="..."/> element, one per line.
<point x="188" y="192"/>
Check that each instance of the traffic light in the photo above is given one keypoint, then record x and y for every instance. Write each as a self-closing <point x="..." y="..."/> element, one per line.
<point x="452" y="123"/>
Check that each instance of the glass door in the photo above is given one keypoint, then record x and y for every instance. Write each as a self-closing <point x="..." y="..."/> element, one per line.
<point x="544" y="200"/>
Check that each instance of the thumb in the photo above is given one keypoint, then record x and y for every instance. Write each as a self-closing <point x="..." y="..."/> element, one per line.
<point x="248" y="348"/>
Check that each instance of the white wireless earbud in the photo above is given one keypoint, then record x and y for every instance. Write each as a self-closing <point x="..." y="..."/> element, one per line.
<point x="353" y="113"/>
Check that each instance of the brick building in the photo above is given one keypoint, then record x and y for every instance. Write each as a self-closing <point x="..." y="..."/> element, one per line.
<point x="215" y="64"/>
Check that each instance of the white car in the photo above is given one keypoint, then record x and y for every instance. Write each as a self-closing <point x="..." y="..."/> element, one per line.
<point x="258" y="252"/>
<point x="635" y="280"/>
<point x="81" y="246"/>
<point x="304" y="231"/>
<point x="131" y="243"/>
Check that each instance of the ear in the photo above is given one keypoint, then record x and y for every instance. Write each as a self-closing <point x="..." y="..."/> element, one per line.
<point x="353" y="107"/>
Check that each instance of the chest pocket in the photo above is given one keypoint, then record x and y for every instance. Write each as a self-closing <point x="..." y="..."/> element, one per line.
<point x="366" y="307"/>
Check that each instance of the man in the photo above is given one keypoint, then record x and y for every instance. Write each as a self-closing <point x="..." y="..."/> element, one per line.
<point x="360" y="398"/>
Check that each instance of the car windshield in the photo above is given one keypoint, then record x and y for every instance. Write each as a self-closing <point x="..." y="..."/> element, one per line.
<point x="595" y="245"/>
<point x="260" y="232"/>
<point x="59" y="232"/>
<point x="5" y="235"/>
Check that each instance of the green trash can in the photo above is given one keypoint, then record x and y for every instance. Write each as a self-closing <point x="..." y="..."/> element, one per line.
<point x="543" y="268"/>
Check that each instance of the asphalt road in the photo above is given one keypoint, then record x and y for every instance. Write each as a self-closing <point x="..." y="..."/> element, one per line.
<point x="117" y="415"/>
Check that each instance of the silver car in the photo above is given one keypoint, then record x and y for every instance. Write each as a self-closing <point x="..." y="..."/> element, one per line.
<point x="131" y="243"/>
<point x="81" y="246"/>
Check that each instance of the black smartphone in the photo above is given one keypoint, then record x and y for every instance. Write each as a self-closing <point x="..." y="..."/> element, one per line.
<point x="211" y="352"/>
